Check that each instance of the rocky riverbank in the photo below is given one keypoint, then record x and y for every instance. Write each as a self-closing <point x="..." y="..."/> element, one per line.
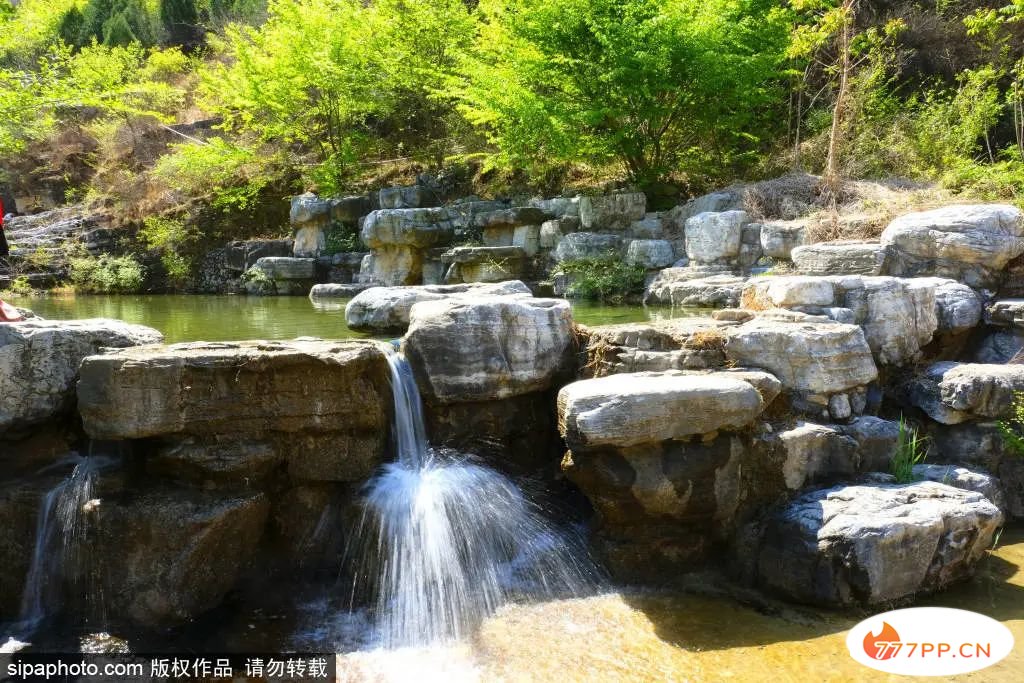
<point x="759" y="438"/>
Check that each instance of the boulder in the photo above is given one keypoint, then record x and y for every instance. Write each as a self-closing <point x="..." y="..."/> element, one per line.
<point x="386" y="309"/>
<point x="612" y="212"/>
<point x="714" y="237"/>
<point x="650" y="254"/>
<point x="957" y="306"/>
<point x="790" y="291"/>
<point x="899" y="317"/>
<point x="484" y="264"/>
<point x="952" y="393"/>
<point x="308" y="208"/>
<point x="839" y="258"/>
<point x="684" y="287"/>
<point x="350" y="209"/>
<point x="648" y="228"/>
<point x="411" y="227"/>
<point x="39" y="362"/>
<point x="407" y="197"/>
<point x="241" y="256"/>
<point x="818" y="358"/>
<point x="871" y="545"/>
<point x="488" y="347"/>
<point x="580" y="245"/>
<point x="280" y="275"/>
<point x="971" y="243"/>
<point x="1000" y="346"/>
<point x="169" y="556"/>
<point x="558" y="207"/>
<point x="320" y="406"/>
<point x="628" y="409"/>
<point x="780" y="238"/>
<point x="876" y="441"/>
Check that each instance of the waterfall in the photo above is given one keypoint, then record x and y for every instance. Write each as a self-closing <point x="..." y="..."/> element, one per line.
<point x="60" y="533"/>
<point x="444" y="540"/>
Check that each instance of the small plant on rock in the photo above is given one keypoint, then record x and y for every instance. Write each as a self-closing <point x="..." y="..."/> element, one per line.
<point x="605" y="278"/>
<point x="910" y="451"/>
<point x="1012" y="428"/>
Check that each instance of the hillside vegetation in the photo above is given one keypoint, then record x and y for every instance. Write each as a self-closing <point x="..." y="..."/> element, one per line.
<point x="194" y="118"/>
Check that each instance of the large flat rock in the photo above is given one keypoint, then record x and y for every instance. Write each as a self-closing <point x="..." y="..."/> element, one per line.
<point x="416" y="227"/>
<point x="39" y="362"/>
<point x="628" y="409"/>
<point x="970" y="243"/>
<point x="839" y="258"/>
<point x="386" y="309"/>
<point x="321" y="407"/>
<point x="488" y="348"/>
<point x="871" y="545"/>
<point x="684" y="287"/>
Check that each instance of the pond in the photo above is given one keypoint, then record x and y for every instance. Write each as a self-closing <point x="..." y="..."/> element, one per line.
<point x="225" y="318"/>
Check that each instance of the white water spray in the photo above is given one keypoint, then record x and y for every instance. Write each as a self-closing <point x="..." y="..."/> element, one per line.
<point x="445" y="541"/>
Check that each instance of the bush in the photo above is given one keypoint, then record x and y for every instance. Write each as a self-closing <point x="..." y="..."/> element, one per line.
<point x="107" y="274"/>
<point x="604" y="278"/>
<point x="691" y="85"/>
<point x="910" y="451"/>
<point x="1012" y="429"/>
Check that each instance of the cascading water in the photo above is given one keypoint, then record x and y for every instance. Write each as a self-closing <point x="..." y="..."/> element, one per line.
<point x="60" y="532"/>
<point x="444" y="540"/>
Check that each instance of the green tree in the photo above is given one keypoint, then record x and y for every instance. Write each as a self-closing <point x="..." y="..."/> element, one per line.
<point x="656" y="85"/>
<point x="180" y="20"/>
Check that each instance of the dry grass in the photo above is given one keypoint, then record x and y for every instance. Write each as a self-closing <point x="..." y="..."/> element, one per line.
<point x="706" y="340"/>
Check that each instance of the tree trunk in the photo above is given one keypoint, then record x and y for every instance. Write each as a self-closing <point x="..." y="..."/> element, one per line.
<point x="831" y="181"/>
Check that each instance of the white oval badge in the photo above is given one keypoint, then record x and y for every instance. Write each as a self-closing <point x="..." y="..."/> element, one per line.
<point x="929" y="641"/>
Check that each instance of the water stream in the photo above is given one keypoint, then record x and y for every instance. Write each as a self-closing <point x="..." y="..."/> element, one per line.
<point x="444" y="540"/>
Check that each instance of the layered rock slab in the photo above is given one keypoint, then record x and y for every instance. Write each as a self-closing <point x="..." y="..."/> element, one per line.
<point x="952" y="393"/>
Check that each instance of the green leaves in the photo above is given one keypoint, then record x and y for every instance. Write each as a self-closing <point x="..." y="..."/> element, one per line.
<point x="654" y="85"/>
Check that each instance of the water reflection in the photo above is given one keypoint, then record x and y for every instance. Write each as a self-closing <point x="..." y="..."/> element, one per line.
<point x="225" y="317"/>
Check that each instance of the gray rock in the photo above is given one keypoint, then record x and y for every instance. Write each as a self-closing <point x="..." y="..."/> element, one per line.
<point x="412" y="227"/>
<point x="876" y="441"/>
<point x="650" y="254"/>
<point x="337" y="291"/>
<point x="817" y="453"/>
<point x="484" y="264"/>
<point x="39" y="362"/>
<point x="779" y="238"/>
<point x="713" y="237"/>
<point x="178" y="552"/>
<point x="350" y="209"/>
<point x="286" y="267"/>
<point x="1006" y="313"/>
<point x="612" y="212"/>
<point x="308" y="208"/>
<point x="386" y="309"/>
<point x="558" y="207"/>
<point x="1000" y="346"/>
<point x="648" y="228"/>
<point x="958" y="307"/>
<point x="962" y="478"/>
<point x="408" y="197"/>
<point x="970" y="243"/>
<point x="871" y="545"/>
<point x="580" y="245"/>
<point x="839" y="258"/>
<point x="952" y="393"/>
<point x="320" y="406"/>
<point x="684" y="287"/>
<point x="820" y="358"/>
<point x="629" y="409"/>
<point x="489" y="347"/>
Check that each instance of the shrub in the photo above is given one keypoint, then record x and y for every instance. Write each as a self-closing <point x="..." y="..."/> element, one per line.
<point x="20" y="286"/>
<point x="107" y="274"/>
<point x="1012" y="429"/>
<point x="910" y="451"/>
<point x="341" y="239"/>
<point x="605" y="278"/>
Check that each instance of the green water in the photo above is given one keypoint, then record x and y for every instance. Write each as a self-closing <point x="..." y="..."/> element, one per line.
<point x="223" y="318"/>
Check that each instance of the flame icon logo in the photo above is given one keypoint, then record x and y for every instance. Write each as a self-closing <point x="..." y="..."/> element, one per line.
<point x="878" y="647"/>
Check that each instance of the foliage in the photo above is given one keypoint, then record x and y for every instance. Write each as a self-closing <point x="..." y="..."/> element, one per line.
<point x="108" y="82"/>
<point x="656" y="86"/>
<point x="1012" y="428"/>
<point x="332" y="76"/>
<point x="341" y="239"/>
<point x="605" y="278"/>
<point x="19" y="286"/>
<point x="107" y="274"/>
<point x="910" y="451"/>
